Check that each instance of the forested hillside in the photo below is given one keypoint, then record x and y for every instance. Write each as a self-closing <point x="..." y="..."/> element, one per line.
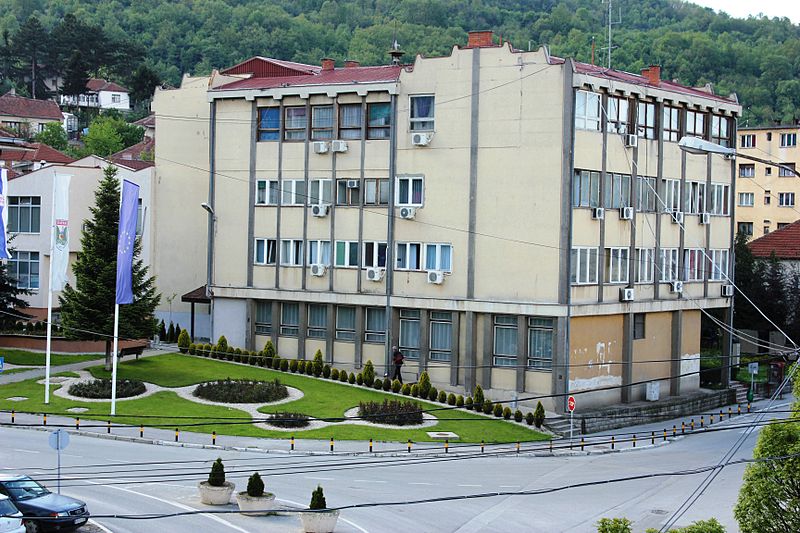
<point x="757" y="58"/>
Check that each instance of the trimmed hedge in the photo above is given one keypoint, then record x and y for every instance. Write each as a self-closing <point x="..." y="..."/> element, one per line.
<point x="391" y="412"/>
<point x="101" y="388"/>
<point x="334" y="374"/>
<point x="241" y="391"/>
<point x="288" y="420"/>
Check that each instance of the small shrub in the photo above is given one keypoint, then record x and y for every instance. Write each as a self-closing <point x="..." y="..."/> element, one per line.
<point x="288" y="420"/>
<point x="101" y="388"/>
<point x="507" y="413"/>
<point x="284" y="365"/>
<point x="377" y="384"/>
<point x="269" y="349"/>
<point x="368" y="373"/>
<point x="237" y="351"/>
<point x="192" y="348"/>
<point x="359" y="378"/>
<point x="498" y="410"/>
<point x="478" y="397"/>
<point x="334" y="374"/>
<point x="217" y="476"/>
<point x="529" y="418"/>
<point x="614" y="525"/>
<point x="415" y="390"/>
<point x="468" y="403"/>
<point x="237" y="358"/>
<point x="538" y="415"/>
<point x="309" y="368"/>
<point x="294" y="365"/>
<point x="487" y="407"/>
<point x="351" y="379"/>
<point x="318" y="499"/>
<point x="387" y="384"/>
<point x="392" y="412"/>
<point x="184" y="341"/>
<point x="276" y="363"/>
<point x="432" y="393"/>
<point x="318" y="364"/>
<point x="396" y="386"/>
<point x="208" y="350"/>
<point x="424" y="384"/>
<point x="343" y="377"/>
<point x="406" y="390"/>
<point x="229" y="354"/>
<point x="517" y="416"/>
<point x="326" y="371"/>
<point x="451" y="399"/>
<point x="222" y="344"/>
<point x="241" y="391"/>
<point x="255" y="486"/>
<point x="170" y="333"/>
<point x="459" y="401"/>
<point x="442" y="397"/>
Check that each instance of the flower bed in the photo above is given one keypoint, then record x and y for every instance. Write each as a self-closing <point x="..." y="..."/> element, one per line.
<point x="241" y="391"/>
<point x="101" y="388"/>
<point x="288" y="420"/>
<point x="391" y="412"/>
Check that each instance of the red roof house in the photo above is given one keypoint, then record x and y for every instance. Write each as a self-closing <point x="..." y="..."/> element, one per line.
<point x="785" y="242"/>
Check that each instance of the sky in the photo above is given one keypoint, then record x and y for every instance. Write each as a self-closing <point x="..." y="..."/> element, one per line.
<point x="743" y="8"/>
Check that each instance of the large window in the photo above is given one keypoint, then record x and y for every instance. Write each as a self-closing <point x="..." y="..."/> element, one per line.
<point x="720" y="264"/>
<point x="639" y="325"/>
<point x="293" y="192"/>
<point x="747" y="171"/>
<point x="409" y="333"/>
<point x="694" y="197"/>
<point x="379" y="120"/>
<point x="748" y="140"/>
<point x="693" y="264"/>
<point x="346" y="193"/>
<point x="644" y="265"/>
<point x="265" y="251"/>
<point x="376" y="192"/>
<point x="24" y="213"/>
<point x="746" y="199"/>
<point x="720" y="130"/>
<point x="719" y="199"/>
<point x="24" y="268"/>
<point x="294" y="124"/>
<point x="788" y="140"/>
<point x="646" y="120"/>
<point x="745" y="228"/>
<point x="438" y="257"/>
<point x="374" y="254"/>
<point x="345" y="323"/>
<point x="584" y="265"/>
<point x="646" y="194"/>
<point x="320" y="192"/>
<point x="441" y="336"/>
<point x="505" y="341"/>
<point x="263" y="318"/>
<point x="269" y="124"/>
<point x="422" y="113"/>
<point x="540" y="343"/>
<point x="586" y="189"/>
<point x="786" y="170"/>
<point x="587" y="111"/>
<point x="350" y="121"/>
<point x="672" y="195"/>
<point x="785" y="199"/>
<point x="319" y="253"/>
<point x="267" y="192"/>
<point x="291" y="252"/>
<point x="317" y="320"/>
<point x="616" y="265"/>
<point x="617" y="115"/>
<point x="346" y="253"/>
<point x="290" y="319"/>
<point x="375" y="325"/>
<point x="322" y="122"/>
<point x="672" y="123"/>
<point x="668" y="263"/>
<point x="695" y="124"/>
<point x="617" y="191"/>
<point x="408" y="256"/>
<point x="409" y="191"/>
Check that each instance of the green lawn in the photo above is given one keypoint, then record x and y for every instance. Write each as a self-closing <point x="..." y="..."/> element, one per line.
<point x="322" y="398"/>
<point x="16" y="370"/>
<point x="22" y="357"/>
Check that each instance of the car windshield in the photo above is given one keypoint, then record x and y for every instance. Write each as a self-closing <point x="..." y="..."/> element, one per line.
<point x="24" y="489"/>
<point x="7" y="508"/>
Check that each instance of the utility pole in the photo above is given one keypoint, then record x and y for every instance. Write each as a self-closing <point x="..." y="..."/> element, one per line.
<point x="611" y="23"/>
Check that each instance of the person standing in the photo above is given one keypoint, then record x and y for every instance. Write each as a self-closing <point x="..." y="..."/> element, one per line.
<point x="397" y="359"/>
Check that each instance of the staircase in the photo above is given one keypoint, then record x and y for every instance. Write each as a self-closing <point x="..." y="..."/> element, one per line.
<point x="741" y="391"/>
<point x="560" y="425"/>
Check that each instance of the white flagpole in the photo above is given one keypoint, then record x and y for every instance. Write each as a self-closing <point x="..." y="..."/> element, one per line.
<point x="50" y="295"/>
<point x="114" y="361"/>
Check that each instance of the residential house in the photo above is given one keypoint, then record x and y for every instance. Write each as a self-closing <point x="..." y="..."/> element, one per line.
<point x="149" y="125"/>
<point x="27" y="116"/>
<point x="102" y="94"/>
<point x="22" y="157"/>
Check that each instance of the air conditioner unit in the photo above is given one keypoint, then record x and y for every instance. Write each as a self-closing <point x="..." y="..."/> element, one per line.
<point x="320" y="210"/>
<point x="676" y="286"/>
<point x="626" y="213"/>
<point x="408" y="213"/>
<point x="631" y="141"/>
<point x="421" y="139"/>
<point x="374" y="274"/>
<point x="677" y="217"/>
<point x="705" y="218"/>
<point x="320" y="147"/>
<point x="318" y="270"/>
<point x="353" y="184"/>
<point x="727" y="291"/>
<point x="435" y="276"/>
<point x="626" y="294"/>
<point x="338" y="146"/>
<point x="598" y="213"/>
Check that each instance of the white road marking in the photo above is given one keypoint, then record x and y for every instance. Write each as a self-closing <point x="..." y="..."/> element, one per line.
<point x="70" y="455"/>
<point x="25" y="451"/>
<point x="509" y="486"/>
<point x="419" y="483"/>
<point x="100" y="526"/>
<point x="470" y="485"/>
<point x="374" y="481"/>
<point x="320" y="478"/>
<point x="340" y="517"/>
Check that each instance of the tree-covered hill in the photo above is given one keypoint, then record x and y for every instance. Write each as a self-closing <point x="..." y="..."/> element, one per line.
<point x="757" y="58"/>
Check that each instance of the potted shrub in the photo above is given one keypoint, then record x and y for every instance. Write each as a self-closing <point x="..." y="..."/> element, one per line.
<point x="216" y="491"/>
<point x="254" y="500"/>
<point x="321" y="519"/>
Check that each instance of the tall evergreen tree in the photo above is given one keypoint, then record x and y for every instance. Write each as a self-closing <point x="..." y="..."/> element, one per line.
<point x="76" y="76"/>
<point x="30" y="45"/>
<point x="87" y="310"/>
<point x="11" y="304"/>
<point x="143" y="83"/>
<point x="748" y="279"/>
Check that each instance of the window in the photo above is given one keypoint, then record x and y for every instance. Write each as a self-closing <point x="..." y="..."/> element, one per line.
<point x="322" y="122"/>
<point x="379" y="120"/>
<point x="290" y="319"/>
<point x="646" y="194"/>
<point x="617" y="191"/>
<point x="291" y="252"/>
<point x="294" y="123"/>
<point x="638" y="325"/>
<point x="293" y="192"/>
<point x="586" y="189"/>
<point x="320" y="192"/>
<point x="788" y="139"/>
<point x="438" y="257"/>
<point x="422" y="113"/>
<point x="346" y="253"/>
<point x="720" y="130"/>
<point x="617" y="115"/>
<point x="644" y="265"/>
<point x="694" y="201"/>
<point x="24" y="214"/>
<point x="409" y="333"/>
<point x="265" y="251"/>
<point x="616" y="265"/>
<point x="540" y="343"/>
<point x="116" y="98"/>
<point x="374" y="254"/>
<point x="786" y="199"/>
<point x="587" y="111"/>
<point x="766" y="229"/>
<point x="669" y="264"/>
<point x="409" y="191"/>
<point x="747" y="171"/>
<point x="745" y="228"/>
<point x="786" y="170"/>
<point x="345" y="323"/>
<point x="719" y="264"/>
<point x="263" y="318"/>
<point x="719" y="199"/>
<point x="693" y="264"/>
<point x="345" y="194"/>
<point x="375" y="327"/>
<point x="646" y="120"/>
<point x="350" y="121"/>
<point x="769" y="135"/>
<point x="746" y="199"/>
<point x="139" y="218"/>
<point x="267" y="192"/>
<point x="505" y="341"/>
<point x="767" y="197"/>
<point x="672" y="123"/>
<point x="748" y="140"/>
<point x="24" y="268"/>
<point x="672" y="195"/>
<point x="319" y="253"/>
<point x="409" y="256"/>
<point x="317" y="320"/>
<point x="269" y="124"/>
<point x="441" y="336"/>
<point x="768" y="171"/>
<point x="584" y="265"/>
<point x="782" y="225"/>
<point x="376" y="192"/>
<point x="695" y="124"/>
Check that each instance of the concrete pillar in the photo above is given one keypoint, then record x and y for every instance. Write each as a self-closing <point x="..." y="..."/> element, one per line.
<point x="302" y="329"/>
<point x="330" y="331"/>
<point x="470" y="352"/>
<point x="627" y="357"/>
<point x="454" y="350"/>
<point x="522" y="351"/>
<point x="488" y="350"/>
<point x="424" y="339"/>
<point x="675" y="356"/>
<point x="359" y="340"/>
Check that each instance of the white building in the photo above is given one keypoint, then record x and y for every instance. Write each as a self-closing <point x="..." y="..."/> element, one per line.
<point x="100" y="94"/>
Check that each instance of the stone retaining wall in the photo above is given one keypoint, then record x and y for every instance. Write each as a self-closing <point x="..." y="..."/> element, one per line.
<point x="62" y="345"/>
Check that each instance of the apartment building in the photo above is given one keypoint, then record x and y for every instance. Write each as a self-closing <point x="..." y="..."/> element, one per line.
<point x="506" y="218"/>
<point x="765" y="199"/>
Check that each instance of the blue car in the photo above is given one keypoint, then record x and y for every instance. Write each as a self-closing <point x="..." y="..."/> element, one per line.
<point x="44" y="510"/>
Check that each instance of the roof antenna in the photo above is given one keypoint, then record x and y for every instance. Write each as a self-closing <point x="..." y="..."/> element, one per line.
<point x="395" y="52"/>
<point x="610" y="47"/>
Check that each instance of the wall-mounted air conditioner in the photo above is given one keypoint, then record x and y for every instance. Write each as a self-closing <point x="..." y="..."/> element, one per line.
<point x="727" y="291"/>
<point x="318" y="270"/>
<point x="676" y="286"/>
<point x="677" y="217"/>
<point x="320" y="210"/>
<point x="626" y="213"/>
<point x="598" y="213"/>
<point x="338" y="146"/>
<point x="436" y="277"/>
<point x="421" y="139"/>
<point x="320" y="147"/>
<point x="631" y="141"/>
<point x="408" y="213"/>
<point x="374" y="274"/>
<point x="626" y="294"/>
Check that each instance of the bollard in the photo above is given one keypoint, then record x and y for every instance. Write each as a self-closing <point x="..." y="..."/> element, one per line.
<point x="409" y="445"/>
<point x="517" y="446"/>
<point x="582" y="443"/>
<point x="78" y="423"/>
<point x="720" y="415"/>
<point x="44" y="419"/>
<point x="141" y="431"/>
<point x="652" y="437"/>
<point x="683" y="428"/>
<point x="177" y="433"/>
<point x="612" y="442"/>
<point x="692" y="426"/>
<point x="674" y="431"/>
<point x="748" y="407"/>
<point x="13" y="413"/>
<point x="108" y="427"/>
<point x="331" y="444"/>
<point x="711" y="419"/>
<point x="446" y="445"/>
<point x="729" y="412"/>
<point x="702" y="422"/>
<point x="551" y="445"/>
<point x="738" y="409"/>
<point x="291" y="443"/>
<point x="213" y="438"/>
<point x="665" y="435"/>
<point x="370" y="445"/>
<point x="634" y="441"/>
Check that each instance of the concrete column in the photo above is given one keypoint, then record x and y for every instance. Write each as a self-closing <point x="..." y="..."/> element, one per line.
<point x="276" y="323"/>
<point x="522" y="351"/>
<point x="560" y="361"/>
<point x="394" y="320"/>
<point x="454" y="350"/>
<point x="330" y="332"/>
<point x="488" y="350"/>
<point x="470" y="352"/>
<point x="424" y="338"/>
<point x="302" y="329"/>
<point x="727" y="317"/>
<point x="675" y="356"/>
<point x="627" y="357"/>
<point x="359" y="340"/>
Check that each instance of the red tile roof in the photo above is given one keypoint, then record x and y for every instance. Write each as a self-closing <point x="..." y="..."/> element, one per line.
<point x="339" y="76"/>
<point x="96" y="85"/>
<point x="785" y="242"/>
<point x="265" y="67"/>
<point x="131" y="156"/>
<point x="147" y="122"/>
<point x="18" y="106"/>
<point x="34" y="152"/>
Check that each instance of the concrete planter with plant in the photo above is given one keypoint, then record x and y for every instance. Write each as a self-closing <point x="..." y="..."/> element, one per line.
<point x="254" y="501"/>
<point x="216" y="491"/>
<point x="321" y="519"/>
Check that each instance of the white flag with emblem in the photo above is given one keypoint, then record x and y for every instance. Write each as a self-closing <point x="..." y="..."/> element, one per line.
<point x="59" y="261"/>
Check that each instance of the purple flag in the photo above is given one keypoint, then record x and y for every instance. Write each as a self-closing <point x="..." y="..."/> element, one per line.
<point x="128" y="213"/>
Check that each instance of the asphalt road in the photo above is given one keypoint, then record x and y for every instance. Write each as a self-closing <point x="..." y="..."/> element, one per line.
<point x="121" y="484"/>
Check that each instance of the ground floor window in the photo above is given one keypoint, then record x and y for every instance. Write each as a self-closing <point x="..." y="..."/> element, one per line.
<point x="345" y="323"/>
<point x="638" y="325"/>
<point x="263" y="318"/>
<point x="441" y="336"/>
<point x="375" y="326"/>
<point x="540" y="343"/>
<point x="505" y="341"/>
<point x="409" y="333"/>
<point x="317" y="321"/>
<point x="24" y="267"/>
<point x="290" y="319"/>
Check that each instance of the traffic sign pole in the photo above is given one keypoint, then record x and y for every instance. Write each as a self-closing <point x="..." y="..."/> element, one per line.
<point x="571" y="407"/>
<point x="59" y="439"/>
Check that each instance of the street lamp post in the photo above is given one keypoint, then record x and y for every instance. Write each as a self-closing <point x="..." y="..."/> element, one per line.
<point x="695" y="145"/>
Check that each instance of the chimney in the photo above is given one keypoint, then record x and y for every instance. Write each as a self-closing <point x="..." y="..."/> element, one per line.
<point x="653" y="74"/>
<point x="328" y="64"/>
<point x="351" y="64"/>
<point x="477" y="39"/>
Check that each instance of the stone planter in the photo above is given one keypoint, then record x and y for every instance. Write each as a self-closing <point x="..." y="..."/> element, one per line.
<point x="255" y="503"/>
<point x="319" y="521"/>
<point x="211" y="495"/>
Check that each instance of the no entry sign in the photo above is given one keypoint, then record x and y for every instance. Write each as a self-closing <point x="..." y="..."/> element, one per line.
<point x="571" y="403"/>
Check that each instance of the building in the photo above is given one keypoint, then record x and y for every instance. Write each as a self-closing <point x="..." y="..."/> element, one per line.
<point x="784" y="243"/>
<point x="507" y="218"/>
<point x="100" y="94"/>
<point x="22" y="157"/>
<point x="27" y="116"/>
<point x="765" y="199"/>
